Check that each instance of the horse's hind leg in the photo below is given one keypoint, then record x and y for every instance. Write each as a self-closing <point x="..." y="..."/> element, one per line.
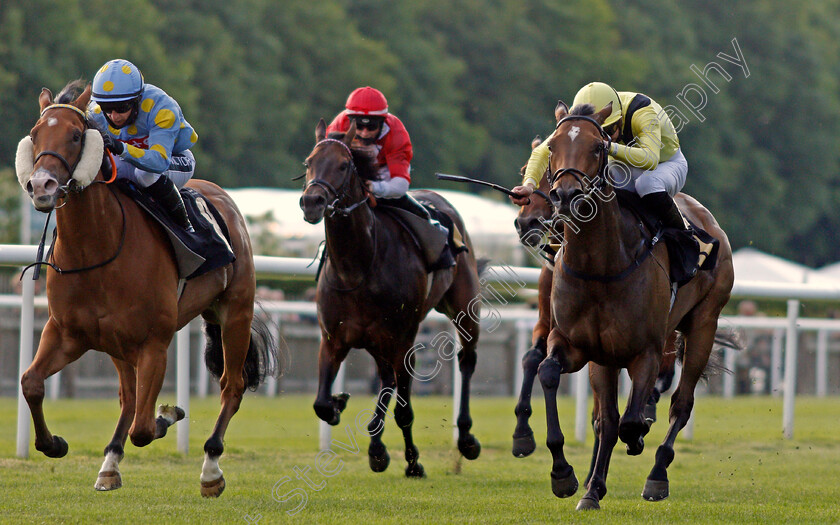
<point x="53" y="355"/>
<point x="109" y="475"/>
<point x="664" y="380"/>
<point x="605" y="386"/>
<point x="378" y="457"/>
<point x="468" y="445"/>
<point x="699" y="340"/>
<point x="523" y="437"/>
<point x="235" y="334"/>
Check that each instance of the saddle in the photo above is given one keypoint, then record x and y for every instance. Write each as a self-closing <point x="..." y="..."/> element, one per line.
<point x="196" y="253"/>
<point x="427" y="238"/>
<point x="689" y="250"/>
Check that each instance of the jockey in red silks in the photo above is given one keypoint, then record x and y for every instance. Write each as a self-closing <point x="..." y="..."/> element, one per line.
<point x="386" y="135"/>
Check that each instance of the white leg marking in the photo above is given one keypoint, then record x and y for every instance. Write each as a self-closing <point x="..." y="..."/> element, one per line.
<point x="168" y="413"/>
<point x="111" y="470"/>
<point x="210" y="471"/>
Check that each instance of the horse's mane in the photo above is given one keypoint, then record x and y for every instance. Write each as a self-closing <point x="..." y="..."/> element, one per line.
<point x="583" y="110"/>
<point x="365" y="163"/>
<point x="71" y="91"/>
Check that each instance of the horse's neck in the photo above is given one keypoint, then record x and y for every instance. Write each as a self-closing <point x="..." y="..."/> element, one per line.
<point x="89" y="226"/>
<point x="604" y="245"/>
<point x="351" y="242"/>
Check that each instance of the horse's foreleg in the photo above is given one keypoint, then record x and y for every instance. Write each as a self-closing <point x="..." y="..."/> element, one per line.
<point x="329" y="407"/>
<point x="151" y="368"/>
<point x="523" y="437"/>
<point x="53" y="355"/>
<point x="699" y="342"/>
<point x="633" y="426"/>
<point x="604" y="383"/>
<point x="563" y="480"/>
<point x="109" y="477"/>
<point x="404" y="416"/>
<point x="378" y="457"/>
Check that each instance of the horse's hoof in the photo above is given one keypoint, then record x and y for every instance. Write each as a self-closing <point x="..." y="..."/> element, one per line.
<point x="340" y="401"/>
<point x="564" y="487"/>
<point x="415" y="471"/>
<point x="58" y="448"/>
<point x="179" y="414"/>
<point x="328" y="414"/>
<point x="469" y="447"/>
<point x="380" y="463"/>
<point x="636" y="448"/>
<point x="524" y="445"/>
<point x="588" y="503"/>
<point x="213" y="489"/>
<point x="109" y="480"/>
<point x="650" y="414"/>
<point x="655" y="490"/>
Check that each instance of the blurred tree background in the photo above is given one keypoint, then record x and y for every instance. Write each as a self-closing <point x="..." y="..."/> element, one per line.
<point x="474" y="81"/>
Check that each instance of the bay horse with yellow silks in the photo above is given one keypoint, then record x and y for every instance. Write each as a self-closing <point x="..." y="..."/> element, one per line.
<point x="375" y="289"/>
<point x="611" y="307"/>
<point x="112" y="286"/>
<point x="535" y="224"/>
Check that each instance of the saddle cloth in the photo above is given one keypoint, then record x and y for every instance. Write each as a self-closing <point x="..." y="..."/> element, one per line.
<point x="198" y="252"/>
<point x="429" y="240"/>
<point x="689" y="251"/>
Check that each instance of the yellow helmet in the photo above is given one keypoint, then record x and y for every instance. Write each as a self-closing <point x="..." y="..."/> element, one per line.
<point x="600" y="95"/>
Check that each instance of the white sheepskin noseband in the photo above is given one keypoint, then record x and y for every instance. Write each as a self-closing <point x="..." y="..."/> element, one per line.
<point x="85" y="171"/>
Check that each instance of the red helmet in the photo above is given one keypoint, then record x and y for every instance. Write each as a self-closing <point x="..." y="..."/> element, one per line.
<point x="366" y="101"/>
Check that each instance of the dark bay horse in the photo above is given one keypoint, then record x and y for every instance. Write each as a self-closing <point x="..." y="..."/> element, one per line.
<point x="535" y="224"/>
<point x="118" y="291"/>
<point x="374" y="291"/>
<point x="620" y="323"/>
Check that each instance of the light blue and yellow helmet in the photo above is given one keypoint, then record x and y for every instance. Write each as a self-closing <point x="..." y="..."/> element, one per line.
<point x="116" y="81"/>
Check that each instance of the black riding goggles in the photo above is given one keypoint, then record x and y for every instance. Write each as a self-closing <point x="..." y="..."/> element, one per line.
<point x="123" y="106"/>
<point x="365" y="122"/>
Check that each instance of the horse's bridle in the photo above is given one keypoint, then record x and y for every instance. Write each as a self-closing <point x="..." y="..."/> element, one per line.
<point x="70" y="185"/>
<point x="340" y="193"/>
<point x="601" y="177"/>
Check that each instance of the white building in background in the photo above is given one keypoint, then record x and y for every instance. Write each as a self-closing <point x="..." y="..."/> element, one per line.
<point x="488" y="222"/>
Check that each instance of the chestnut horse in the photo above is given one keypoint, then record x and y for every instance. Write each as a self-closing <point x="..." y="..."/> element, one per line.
<point x="535" y="225"/>
<point x="374" y="291"/>
<point x="112" y="286"/>
<point x="611" y="316"/>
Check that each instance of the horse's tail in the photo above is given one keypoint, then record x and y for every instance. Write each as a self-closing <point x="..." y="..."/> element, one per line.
<point x="724" y="338"/>
<point x="262" y="358"/>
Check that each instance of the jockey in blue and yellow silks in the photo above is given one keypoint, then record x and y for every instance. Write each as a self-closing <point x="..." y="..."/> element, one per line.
<point x="645" y="154"/>
<point x="147" y="132"/>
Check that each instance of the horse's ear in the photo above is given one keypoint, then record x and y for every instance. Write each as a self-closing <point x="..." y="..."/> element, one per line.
<point x="83" y="100"/>
<point x="45" y="98"/>
<point x="560" y="111"/>
<point x="351" y="133"/>
<point x="602" y="115"/>
<point x="536" y="141"/>
<point x="320" y="131"/>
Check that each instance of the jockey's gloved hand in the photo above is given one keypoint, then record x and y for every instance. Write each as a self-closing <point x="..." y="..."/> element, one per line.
<point x="114" y="146"/>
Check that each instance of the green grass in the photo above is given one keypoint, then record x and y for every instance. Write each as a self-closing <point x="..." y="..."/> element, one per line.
<point x="737" y="469"/>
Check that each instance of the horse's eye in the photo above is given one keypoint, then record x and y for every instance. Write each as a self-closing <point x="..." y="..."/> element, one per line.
<point x="77" y="136"/>
<point x="305" y="164"/>
<point x="344" y="166"/>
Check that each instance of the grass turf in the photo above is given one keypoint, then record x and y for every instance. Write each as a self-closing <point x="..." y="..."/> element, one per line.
<point x="737" y="469"/>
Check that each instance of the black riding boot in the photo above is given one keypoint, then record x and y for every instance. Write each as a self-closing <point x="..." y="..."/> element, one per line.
<point x="168" y="196"/>
<point x="410" y="204"/>
<point x="661" y="204"/>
